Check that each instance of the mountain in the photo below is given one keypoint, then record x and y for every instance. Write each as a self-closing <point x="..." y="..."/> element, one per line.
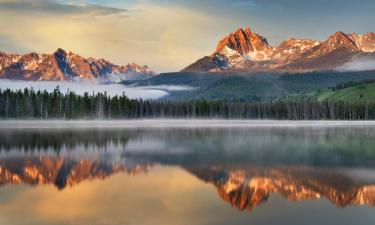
<point x="246" y="51"/>
<point x="67" y="66"/>
<point x="360" y="92"/>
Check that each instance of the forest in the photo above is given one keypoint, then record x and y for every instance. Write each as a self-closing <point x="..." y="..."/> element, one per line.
<point x="31" y="104"/>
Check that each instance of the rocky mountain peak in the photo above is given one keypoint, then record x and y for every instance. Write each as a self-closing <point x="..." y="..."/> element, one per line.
<point x="61" y="65"/>
<point x="364" y="42"/>
<point x="243" y="41"/>
<point x="259" y="42"/>
<point x="243" y="45"/>
<point x="63" y="62"/>
<point x="247" y="51"/>
<point x="293" y="48"/>
<point x="3" y="54"/>
<point x="340" y="40"/>
<point x="238" y="41"/>
<point x="60" y="53"/>
<point x="30" y="61"/>
<point x="248" y="30"/>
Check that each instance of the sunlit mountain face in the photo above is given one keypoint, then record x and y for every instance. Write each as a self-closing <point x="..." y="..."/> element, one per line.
<point x="63" y="66"/>
<point x="299" y="164"/>
<point x="246" y="51"/>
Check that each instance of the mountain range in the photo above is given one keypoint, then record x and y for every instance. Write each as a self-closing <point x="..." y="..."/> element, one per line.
<point x="247" y="51"/>
<point x="241" y="51"/>
<point x="67" y="66"/>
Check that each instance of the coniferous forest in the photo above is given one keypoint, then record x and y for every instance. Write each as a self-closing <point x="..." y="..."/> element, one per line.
<point x="30" y="104"/>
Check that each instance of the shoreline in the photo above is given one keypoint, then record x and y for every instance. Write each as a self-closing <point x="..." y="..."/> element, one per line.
<point x="178" y="123"/>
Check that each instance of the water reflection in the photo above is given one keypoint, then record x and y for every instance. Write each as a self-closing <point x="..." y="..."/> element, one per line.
<point x="61" y="171"/>
<point x="246" y="166"/>
<point x="250" y="187"/>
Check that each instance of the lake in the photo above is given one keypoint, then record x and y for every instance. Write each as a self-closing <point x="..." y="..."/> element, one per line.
<point x="187" y="172"/>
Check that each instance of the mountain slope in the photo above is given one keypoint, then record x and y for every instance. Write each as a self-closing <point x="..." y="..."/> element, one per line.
<point x="358" y="93"/>
<point x="247" y="51"/>
<point x="66" y="66"/>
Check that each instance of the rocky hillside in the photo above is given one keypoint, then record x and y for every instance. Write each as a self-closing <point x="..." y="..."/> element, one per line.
<point x="246" y="51"/>
<point x="66" y="66"/>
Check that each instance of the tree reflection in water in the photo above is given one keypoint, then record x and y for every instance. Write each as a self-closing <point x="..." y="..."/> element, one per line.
<point x="246" y="166"/>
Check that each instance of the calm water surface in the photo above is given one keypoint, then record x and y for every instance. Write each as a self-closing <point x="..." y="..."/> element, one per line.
<point x="106" y="175"/>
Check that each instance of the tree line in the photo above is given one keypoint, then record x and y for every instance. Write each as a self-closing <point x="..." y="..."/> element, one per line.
<point x="343" y="85"/>
<point x="30" y="104"/>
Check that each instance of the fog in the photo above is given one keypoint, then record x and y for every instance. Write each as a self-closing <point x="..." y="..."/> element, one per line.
<point x="145" y="92"/>
<point x="358" y="65"/>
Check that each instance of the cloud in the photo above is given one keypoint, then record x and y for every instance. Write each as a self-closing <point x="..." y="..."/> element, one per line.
<point x="164" y="38"/>
<point x="55" y="8"/>
<point x="215" y="6"/>
<point x="146" y="92"/>
<point x="358" y="65"/>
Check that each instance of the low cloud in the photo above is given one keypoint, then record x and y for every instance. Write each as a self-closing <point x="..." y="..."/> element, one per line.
<point x="169" y="88"/>
<point x="145" y="92"/>
<point x="55" y="8"/>
<point x="358" y="65"/>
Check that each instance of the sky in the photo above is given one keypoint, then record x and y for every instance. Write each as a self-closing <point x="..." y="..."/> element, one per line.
<point x="168" y="35"/>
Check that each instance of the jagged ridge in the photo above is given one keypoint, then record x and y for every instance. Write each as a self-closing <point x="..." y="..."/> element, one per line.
<point x="246" y="51"/>
<point x="66" y="66"/>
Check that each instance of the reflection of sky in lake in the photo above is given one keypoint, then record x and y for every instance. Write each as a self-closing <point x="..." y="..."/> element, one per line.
<point x="187" y="176"/>
<point x="165" y="195"/>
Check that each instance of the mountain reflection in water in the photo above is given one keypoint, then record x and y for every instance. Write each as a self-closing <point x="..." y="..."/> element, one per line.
<point x="246" y="166"/>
